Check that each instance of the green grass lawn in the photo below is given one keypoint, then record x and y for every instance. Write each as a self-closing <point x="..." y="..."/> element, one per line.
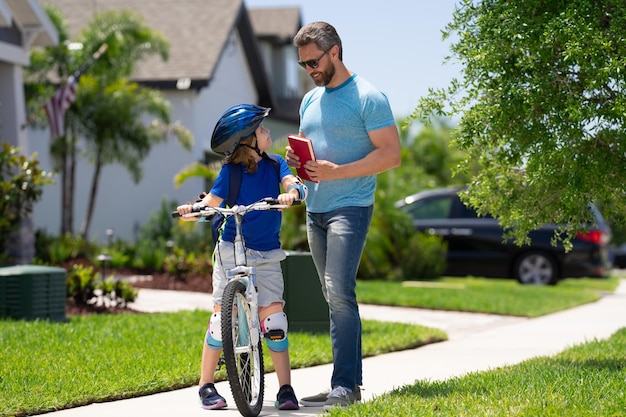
<point x="480" y="295"/>
<point x="586" y="380"/>
<point x="48" y="366"/>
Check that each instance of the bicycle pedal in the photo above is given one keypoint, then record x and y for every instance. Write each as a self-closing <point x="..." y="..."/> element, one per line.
<point x="275" y="334"/>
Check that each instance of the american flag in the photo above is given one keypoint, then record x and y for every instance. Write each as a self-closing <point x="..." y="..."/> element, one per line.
<point x="57" y="105"/>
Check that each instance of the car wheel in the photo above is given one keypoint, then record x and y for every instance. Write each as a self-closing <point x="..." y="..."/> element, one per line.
<point x="536" y="268"/>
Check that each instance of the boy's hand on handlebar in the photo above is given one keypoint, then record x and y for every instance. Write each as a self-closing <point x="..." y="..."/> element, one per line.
<point x="286" y="199"/>
<point x="185" y="209"/>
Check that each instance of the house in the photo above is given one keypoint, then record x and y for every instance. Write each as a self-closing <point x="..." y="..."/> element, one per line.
<point x="221" y="54"/>
<point x="23" y="25"/>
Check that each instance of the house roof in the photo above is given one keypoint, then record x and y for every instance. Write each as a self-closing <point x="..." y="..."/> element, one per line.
<point x="276" y="25"/>
<point x="198" y="32"/>
<point x="34" y="24"/>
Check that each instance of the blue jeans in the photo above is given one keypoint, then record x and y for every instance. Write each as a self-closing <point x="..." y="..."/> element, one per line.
<point x="336" y="240"/>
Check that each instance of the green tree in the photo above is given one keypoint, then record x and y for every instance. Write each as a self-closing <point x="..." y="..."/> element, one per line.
<point x="110" y="109"/>
<point x="542" y="101"/>
<point x="111" y="122"/>
<point x="428" y="159"/>
<point x="195" y="169"/>
<point x="58" y="60"/>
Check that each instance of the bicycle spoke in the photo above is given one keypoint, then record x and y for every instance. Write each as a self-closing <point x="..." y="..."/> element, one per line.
<point x="244" y="360"/>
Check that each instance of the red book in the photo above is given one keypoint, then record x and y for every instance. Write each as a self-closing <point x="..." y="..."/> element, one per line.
<point x="303" y="147"/>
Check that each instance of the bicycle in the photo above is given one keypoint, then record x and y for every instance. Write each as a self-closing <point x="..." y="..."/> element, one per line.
<point x="241" y="329"/>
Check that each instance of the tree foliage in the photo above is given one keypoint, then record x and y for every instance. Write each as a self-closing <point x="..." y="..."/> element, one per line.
<point x="542" y="101"/>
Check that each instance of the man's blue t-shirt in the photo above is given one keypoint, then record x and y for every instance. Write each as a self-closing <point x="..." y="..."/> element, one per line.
<point x="261" y="229"/>
<point x="338" y="120"/>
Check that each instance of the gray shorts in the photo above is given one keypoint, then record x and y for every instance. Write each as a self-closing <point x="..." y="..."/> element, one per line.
<point x="269" y="275"/>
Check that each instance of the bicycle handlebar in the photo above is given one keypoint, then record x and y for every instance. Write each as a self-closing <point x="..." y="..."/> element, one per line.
<point x="264" y="204"/>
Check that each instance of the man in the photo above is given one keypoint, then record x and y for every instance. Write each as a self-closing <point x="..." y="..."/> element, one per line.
<point x="354" y="138"/>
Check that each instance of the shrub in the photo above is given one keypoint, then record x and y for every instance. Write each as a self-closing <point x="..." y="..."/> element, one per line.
<point x="120" y="253"/>
<point x="81" y="284"/>
<point x="84" y="288"/>
<point x="388" y="235"/>
<point x="21" y="185"/>
<point x="56" y="250"/>
<point x="424" y="257"/>
<point x="172" y="245"/>
<point x="149" y="255"/>
<point x="178" y="264"/>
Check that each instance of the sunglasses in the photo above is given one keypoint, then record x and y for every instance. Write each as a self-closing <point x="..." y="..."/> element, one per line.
<point x="313" y="63"/>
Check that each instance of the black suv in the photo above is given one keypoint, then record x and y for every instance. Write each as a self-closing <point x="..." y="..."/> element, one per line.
<point x="476" y="245"/>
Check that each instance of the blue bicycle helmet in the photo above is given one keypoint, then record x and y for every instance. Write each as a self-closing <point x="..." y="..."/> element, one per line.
<point x="235" y="124"/>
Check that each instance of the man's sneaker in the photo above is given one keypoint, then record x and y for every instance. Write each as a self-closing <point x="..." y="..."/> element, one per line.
<point x="286" y="399"/>
<point x="210" y="399"/>
<point x="340" y="397"/>
<point x="318" y="400"/>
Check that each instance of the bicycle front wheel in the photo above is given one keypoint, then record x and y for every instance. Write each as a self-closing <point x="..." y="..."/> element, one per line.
<point x="244" y="359"/>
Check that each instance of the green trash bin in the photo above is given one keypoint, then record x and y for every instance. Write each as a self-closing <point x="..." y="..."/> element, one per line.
<point x="33" y="292"/>
<point x="305" y="306"/>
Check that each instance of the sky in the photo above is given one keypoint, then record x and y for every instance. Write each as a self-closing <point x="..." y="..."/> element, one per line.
<point x="394" y="44"/>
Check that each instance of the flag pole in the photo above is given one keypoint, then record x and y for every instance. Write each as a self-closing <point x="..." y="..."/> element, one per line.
<point x="65" y="95"/>
<point x="95" y="56"/>
<point x="73" y="79"/>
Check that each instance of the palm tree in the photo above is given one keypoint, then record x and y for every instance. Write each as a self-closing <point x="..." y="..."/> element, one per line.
<point x="111" y="123"/>
<point x="193" y="170"/>
<point x="109" y="109"/>
<point x="44" y="61"/>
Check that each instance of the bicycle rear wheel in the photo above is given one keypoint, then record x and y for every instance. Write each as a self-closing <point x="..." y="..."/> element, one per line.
<point x="244" y="359"/>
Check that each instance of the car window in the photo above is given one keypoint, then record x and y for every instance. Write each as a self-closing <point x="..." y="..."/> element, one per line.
<point x="462" y="211"/>
<point x="597" y="214"/>
<point x="432" y="208"/>
<point x="466" y="212"/>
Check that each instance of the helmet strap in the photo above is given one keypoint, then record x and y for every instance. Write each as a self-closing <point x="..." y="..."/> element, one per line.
<point x="255" y="148"/>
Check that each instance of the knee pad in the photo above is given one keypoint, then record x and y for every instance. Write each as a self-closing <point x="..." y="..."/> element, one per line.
<point x="274" y="329"/>
<point x="214" y="332"/>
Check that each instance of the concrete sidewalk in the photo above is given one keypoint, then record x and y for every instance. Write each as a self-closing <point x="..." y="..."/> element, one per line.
<point x="477" y="342"/>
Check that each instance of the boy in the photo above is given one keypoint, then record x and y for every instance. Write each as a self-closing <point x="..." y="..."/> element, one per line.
<point x="242" y="138"/>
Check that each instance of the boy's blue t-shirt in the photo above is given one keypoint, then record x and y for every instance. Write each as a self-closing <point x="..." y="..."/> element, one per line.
<point x="338" y="120"/>
<point x="261" y="229"/>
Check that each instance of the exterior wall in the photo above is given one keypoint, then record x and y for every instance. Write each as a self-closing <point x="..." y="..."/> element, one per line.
<point x="14" y="47"/>
<point x="124" y="206"/>
<point x="12" y="111"/>
<point x="12" y="116"/>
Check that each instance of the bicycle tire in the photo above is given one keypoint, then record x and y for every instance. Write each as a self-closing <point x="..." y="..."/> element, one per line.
<point x="244" y="362"/>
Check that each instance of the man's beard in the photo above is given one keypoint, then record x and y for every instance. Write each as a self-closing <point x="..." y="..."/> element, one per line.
<point x="326" y="77"/>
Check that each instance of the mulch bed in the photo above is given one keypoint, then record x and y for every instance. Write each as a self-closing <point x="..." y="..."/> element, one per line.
<point x="198" y="283"/>
<point x="71" y="309"/>
<point x="142" y="279"/>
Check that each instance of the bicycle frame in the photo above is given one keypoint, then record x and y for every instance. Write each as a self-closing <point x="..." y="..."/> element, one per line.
<point x="247" y="275"/>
